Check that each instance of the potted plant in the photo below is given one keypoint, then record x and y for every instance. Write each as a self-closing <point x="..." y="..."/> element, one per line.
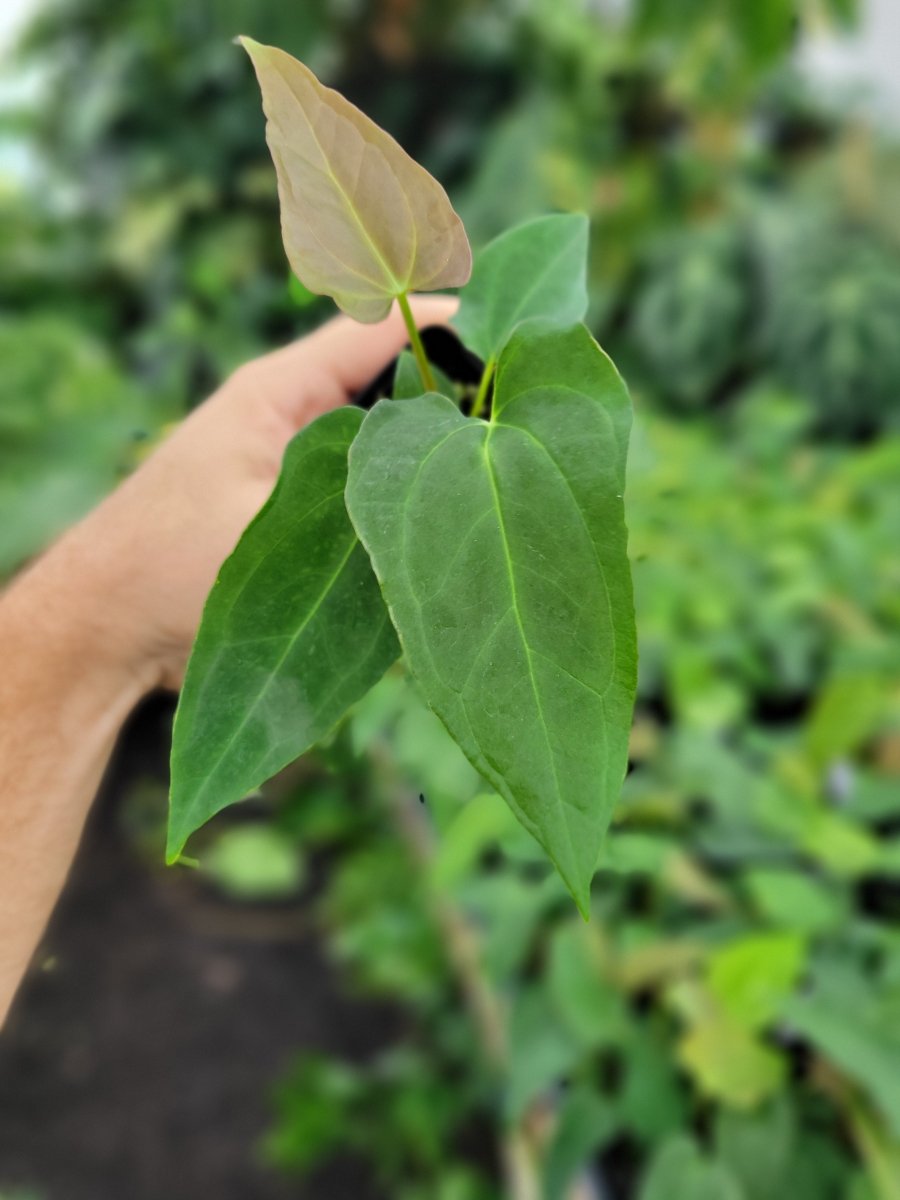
<point x="477" y="531"/>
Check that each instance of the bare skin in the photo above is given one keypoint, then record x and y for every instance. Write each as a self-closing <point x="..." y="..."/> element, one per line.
<point x="110" y="612"/>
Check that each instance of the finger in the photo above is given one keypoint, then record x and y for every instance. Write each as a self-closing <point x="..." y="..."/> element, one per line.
<point x="352" y="354"/>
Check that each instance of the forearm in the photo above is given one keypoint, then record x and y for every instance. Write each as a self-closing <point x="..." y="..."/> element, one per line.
<point x="67" y="682"/>
<point x="111" y="611"/>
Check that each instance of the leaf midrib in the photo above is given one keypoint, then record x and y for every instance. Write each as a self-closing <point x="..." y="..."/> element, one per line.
<point x="601" y="569"/>
<point x="519" y="623"/>
<point x="337" y="183"/>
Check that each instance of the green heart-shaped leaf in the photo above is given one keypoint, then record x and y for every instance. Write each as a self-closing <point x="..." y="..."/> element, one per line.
<point x="362" y="221"/>
<point x="537" y="270"/>
<point x="294" y="632"/>
<point x="501" y="551"/>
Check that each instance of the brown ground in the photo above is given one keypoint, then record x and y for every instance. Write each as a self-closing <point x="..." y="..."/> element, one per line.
<point x="139" y="1063"/>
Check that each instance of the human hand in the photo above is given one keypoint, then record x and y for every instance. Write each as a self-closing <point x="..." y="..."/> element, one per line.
<point x="150" y="553"/>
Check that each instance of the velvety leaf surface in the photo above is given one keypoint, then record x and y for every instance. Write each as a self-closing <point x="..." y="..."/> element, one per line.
<point x="501" y="551"/>
<point x="535" y="270"/>
<point x="361" y="221"/>
<point x="294" y="631"/>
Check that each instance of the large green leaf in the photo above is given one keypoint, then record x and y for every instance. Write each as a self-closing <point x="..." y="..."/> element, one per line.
<point x="535" y="270"/>
<point x="501" y="551"/>
<point x="293" y="633"/>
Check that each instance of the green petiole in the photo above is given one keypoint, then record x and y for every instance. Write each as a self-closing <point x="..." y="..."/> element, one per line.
<point x="428" y="380"/>
<point x="481" y="397"/>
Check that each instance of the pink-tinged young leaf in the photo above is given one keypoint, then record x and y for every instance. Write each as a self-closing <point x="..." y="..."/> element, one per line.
<point x="361" y="221"/>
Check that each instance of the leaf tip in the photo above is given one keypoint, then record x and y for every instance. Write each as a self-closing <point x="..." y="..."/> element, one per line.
<point x="582" y="898"/>
<point x="255" y="50"/>
<point x="578" y="887"/>
<point x="175" y="843"/>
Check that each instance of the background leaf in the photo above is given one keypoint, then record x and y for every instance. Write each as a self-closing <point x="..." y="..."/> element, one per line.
<point x="501" y="551"/>
<point x="680" y="1172"/>
<point x="294" y="631"/>
<point x="858" y="1033"/>
<point x="730" y="1063"/>
<point x="752" y="977"/>
<point x="535" y="270"/>
<point x="361" y="220"/>
<point x="585" y="1122"/>
<point x="255" y="862"/>
<point x="408" y="378"/>
<point x="758" y="1147"/>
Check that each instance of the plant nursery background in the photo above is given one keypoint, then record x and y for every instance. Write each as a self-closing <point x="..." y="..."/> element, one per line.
<point x="299" y="1018"/>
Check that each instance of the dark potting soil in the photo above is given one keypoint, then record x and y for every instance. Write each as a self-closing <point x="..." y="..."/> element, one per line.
<point x="140" y="1057"/>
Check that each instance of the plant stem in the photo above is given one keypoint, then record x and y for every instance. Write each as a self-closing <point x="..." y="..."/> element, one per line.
<point x="481" y="397"/>
<point x="428" y="381"/>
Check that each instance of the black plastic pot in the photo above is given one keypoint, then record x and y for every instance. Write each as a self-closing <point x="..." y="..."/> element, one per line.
<point x="444" y="350"/>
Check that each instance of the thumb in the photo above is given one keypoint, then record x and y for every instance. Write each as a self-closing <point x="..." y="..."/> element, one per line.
<point x="330" y="366"/>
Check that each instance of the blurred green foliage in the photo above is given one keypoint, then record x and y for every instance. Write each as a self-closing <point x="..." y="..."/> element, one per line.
<point x="725" y="1027"/>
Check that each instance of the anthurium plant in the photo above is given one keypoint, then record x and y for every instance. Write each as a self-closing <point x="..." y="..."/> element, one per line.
<point x="477" y="532"/>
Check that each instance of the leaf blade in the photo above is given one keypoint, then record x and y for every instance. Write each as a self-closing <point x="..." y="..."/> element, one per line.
<point x="253" y="701"/>
<point x="408" y="379"/>
<point x="361" y="220"/>
<point x="536" y="270"/>
<point x="492" y="552"/>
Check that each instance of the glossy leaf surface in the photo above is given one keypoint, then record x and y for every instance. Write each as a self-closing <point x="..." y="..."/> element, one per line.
<point x="294" y="631"/>
<point x="361" y="221"/>
<point x="501" y="551"/>
<point x="537" y="270"/>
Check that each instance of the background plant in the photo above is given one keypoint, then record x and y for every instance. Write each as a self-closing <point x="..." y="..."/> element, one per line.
<point x="760" y="816"/>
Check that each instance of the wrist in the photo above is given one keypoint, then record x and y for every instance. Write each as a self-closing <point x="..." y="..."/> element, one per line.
<point x="73" y="606"/>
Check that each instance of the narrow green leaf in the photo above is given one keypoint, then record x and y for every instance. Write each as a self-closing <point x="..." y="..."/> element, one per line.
<point x="535" y="270"/>
<point x="501" y="551"/>
<point x="408" y="379"/>
<point x="294" y="631"/>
